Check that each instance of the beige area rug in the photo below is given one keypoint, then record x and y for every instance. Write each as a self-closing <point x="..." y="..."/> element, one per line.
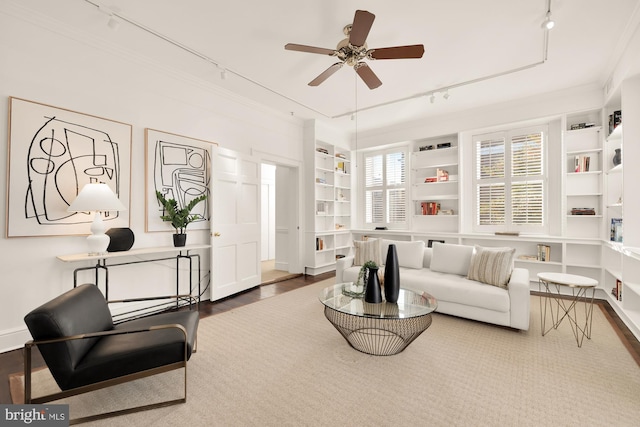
<point x="279" y="362"/>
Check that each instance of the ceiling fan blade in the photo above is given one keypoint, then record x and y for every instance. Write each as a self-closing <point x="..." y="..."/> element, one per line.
<point x="362" y="23"/>
<point x="326" y="74"/>
<point x="367" y="75"/>
<point x="309" y="49"/>
<point x="398" y="52"/>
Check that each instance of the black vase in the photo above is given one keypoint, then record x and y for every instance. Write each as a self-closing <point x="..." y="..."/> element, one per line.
<point x="617" y="157"/>
<point x="391" y="275"/>
<point x="372" y="294"/>
<point x="179" y="240"/>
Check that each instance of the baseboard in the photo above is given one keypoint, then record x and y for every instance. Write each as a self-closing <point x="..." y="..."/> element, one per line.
<point x="11" y="339"/>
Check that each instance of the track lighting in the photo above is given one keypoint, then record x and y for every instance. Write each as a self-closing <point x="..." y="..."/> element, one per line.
<point x="113" y="23"/>
<point x="432" y="99"/>
<point x="223" y="74"/>
<point x="548" y="23"/>
<point x="446" y="95"/>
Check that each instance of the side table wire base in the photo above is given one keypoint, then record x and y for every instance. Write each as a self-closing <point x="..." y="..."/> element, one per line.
<point x="375" y="335"/>
<point x="567" y="308"/>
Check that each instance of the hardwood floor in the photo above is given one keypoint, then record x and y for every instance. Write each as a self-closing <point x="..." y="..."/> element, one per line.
<point x="12" y="361"/>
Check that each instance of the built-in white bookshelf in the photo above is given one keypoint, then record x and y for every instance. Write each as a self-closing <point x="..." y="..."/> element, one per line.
<point x="435" y="182"/>
<point x="329" y="191"/>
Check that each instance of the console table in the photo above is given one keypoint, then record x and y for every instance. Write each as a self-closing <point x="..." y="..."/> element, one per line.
<point x="112" y="259"/>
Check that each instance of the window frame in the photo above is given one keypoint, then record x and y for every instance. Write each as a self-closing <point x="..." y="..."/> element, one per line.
<point x="509" y="179"/>
<point x="385" y="187"/>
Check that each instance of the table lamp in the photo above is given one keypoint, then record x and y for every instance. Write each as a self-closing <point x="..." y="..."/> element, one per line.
<point x="97" y="198"/>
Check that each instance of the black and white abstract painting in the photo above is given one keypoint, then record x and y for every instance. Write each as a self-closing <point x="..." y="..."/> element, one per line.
<point x="180" y="168"/>
<point x="53" y="153"/>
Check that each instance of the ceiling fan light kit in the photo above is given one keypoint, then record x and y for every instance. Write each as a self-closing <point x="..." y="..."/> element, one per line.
<point x="353" y="50"/>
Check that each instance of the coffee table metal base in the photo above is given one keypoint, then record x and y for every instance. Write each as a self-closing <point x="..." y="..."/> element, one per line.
<point x="375" y="335"/>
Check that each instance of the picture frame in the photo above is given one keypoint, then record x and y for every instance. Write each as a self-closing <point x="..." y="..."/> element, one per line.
<point x="179" y="167"/>
<point x="52" y="153"/>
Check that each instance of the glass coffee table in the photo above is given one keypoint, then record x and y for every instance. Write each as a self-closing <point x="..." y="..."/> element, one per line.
<point x="379" y="329"/>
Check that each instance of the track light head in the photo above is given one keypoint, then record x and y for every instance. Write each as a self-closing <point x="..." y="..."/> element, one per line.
<point x="432" y="98"/>
<point x="113" y="23"/>
<point x="548" y="23"/>
<point x="446" y="95"/>
<point x="223" y="74"/>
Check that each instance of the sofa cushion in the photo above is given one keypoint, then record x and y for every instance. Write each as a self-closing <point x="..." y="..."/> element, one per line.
<point x="367" y="250"/>
<point x="410" y="254"/>
<point x="492" y="266"/>
<point x="450" y="258"/>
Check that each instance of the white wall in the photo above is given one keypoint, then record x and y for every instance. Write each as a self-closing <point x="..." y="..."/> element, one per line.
<point x="47" y="64"/>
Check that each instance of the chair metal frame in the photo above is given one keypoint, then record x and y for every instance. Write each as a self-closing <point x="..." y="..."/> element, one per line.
<point x="28" y="399"/>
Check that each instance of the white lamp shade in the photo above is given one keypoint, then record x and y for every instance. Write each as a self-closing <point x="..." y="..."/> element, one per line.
<point x="96" y="198"/>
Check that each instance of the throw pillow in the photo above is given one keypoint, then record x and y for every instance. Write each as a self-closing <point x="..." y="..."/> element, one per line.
<point x="410" y="254"/>
<point x="367" y="250"/>
<point x="450" y="258"/>
<point x="492" y="266"/>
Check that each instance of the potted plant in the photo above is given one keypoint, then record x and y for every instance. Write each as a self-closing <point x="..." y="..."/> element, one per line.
<point x="179" y="218"/>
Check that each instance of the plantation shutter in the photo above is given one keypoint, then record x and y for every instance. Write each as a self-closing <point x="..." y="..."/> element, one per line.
<point x="396" y="193"/>
<point x="509" y="180"/>
<point x="385" y="188"/>
<point x="527" y="183"/>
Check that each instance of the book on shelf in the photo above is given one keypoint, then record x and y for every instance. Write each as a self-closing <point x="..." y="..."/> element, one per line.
<point x="583" y="211"/>
<point x="442" y="175"/>
<point x="430" y="208"/>
<point x="341" y="168"/>
<point x="616" y="230"/>
<point x="319" y="244"/>
<point x="341" y="155"/>
<point x="322" y="150"/>
<point x="581" y="126"/>
<point x="431" y="179"/>
<point x="581" y="163"/>
<point x="616" y="291"/>
<point x="544" y="253"/>
<point x="526" y="257"/>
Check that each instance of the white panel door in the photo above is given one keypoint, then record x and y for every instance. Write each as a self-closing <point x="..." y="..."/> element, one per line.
<point x="235" y="225"/>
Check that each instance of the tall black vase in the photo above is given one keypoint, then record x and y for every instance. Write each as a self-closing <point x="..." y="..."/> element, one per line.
<point x="372" y="294"/>
<point x="391" y="275"/>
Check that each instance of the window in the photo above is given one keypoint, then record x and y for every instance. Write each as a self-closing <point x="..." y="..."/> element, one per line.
<point x="385" y="195"/>
<point x="509" y="181"/>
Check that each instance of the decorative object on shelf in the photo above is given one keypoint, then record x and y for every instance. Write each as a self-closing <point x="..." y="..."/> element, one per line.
<point x="179" y="218"/>
<point x="372" y="292"/>
<point x="391" y="275"/>
<point x="426" y="148"/>
<point x="616" y="229"/>
<point x="442" y="175"/>
<point x="617" y="157"/>
<point x="444" y="145"/>
<point x="97" y="198"/>
<point x="121" y="239"/>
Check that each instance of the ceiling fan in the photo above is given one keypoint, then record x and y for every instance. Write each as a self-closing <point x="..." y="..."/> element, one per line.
<point x="353" y="50"/>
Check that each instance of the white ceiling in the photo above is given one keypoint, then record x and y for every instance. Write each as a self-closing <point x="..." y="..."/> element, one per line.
<point x="465" y="40"/>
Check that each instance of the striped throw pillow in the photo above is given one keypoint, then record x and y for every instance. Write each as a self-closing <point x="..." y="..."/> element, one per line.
<point x="367" y="250"/>
<point x="492" y="266"/>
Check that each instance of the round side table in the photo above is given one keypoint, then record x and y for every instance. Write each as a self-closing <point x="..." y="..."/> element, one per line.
<point x="566" y="306"/>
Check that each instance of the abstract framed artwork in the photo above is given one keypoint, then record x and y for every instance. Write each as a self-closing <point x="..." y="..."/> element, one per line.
<point x="180" y="168"/>
<point x="53" y="153"/>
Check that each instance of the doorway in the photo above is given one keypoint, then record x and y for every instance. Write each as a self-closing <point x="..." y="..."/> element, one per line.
<point x="279" y="223"/>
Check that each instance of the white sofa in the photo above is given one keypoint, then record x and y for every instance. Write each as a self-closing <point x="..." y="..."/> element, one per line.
<point x="456" y="295"/>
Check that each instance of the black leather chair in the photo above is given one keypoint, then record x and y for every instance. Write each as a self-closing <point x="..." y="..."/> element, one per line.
<point x="85" y="351"/>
